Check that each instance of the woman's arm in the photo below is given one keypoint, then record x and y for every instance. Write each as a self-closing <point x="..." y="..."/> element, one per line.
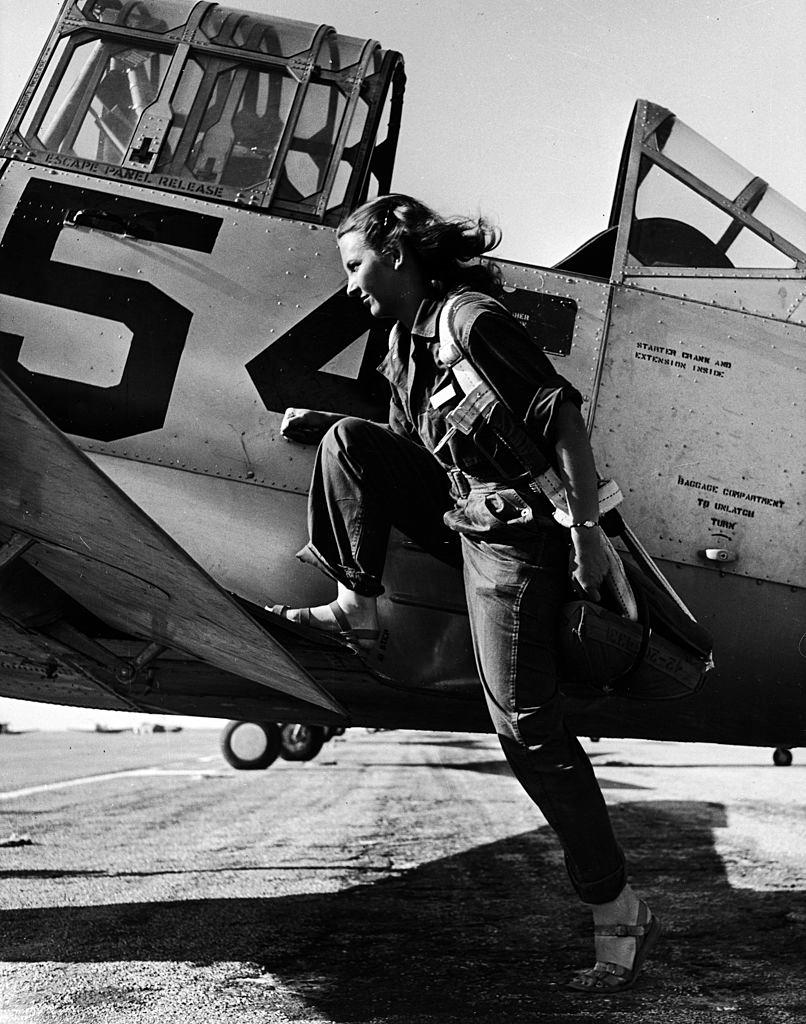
<point x="307" y="426"/>
<point x="576" y="465"/>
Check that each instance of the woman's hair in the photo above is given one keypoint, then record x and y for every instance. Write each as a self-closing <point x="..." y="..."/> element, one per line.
<point x="442" y="246"/>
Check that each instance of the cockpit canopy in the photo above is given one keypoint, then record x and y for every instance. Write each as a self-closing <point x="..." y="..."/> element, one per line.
<point x="682" y="203"/>
<point x="695" y="206"/>
<point x="203" y="99"/>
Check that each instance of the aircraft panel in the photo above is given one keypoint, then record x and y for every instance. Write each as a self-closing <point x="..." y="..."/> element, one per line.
<point x="239" y="338"/>
<point x="245" y="537"/>
<point x="30" y="673"/>
<point x="718" y="469"/>
<point x="86" y="531"/>
<point x="575" y="356"/>
<point x="778" y="296"/>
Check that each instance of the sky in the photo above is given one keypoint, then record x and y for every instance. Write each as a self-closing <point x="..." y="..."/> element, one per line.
<point x="517" y="109"/>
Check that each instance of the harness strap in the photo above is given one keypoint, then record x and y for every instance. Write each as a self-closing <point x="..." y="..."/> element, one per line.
<point x="476" y="408"/>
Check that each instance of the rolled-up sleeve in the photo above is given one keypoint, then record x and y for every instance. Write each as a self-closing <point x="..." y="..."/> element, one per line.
<point x="521" y="373"/>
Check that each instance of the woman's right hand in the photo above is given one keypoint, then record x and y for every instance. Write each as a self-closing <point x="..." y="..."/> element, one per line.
<point x="590" y="565"/>
<point x="307" y="426"/>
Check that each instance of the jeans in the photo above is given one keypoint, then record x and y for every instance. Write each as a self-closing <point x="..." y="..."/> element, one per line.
<point x="368" y="479"/>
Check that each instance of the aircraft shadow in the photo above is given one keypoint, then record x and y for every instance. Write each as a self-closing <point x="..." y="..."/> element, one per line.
<point x="495" y="766"/>
<point x="500" y="767"/>
<point x="490" y="932"/>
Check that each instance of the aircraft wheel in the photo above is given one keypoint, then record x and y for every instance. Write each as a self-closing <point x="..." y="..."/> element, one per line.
<point x="782" y="756"/>
<point x="250" y="746"/>
<point x="300" y="742"/>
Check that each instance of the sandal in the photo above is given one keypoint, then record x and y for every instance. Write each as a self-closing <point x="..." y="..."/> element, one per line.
<point x="605" y="978"/>
<point x="345" y="632"/>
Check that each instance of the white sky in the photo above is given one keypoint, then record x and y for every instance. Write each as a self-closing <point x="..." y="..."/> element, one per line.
<point x="518" y="108"/>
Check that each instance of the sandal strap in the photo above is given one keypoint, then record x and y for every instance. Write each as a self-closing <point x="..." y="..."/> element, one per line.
<point x="345" y="631"/>
<point x="341" y="619"/>
<point x="621" y="930"/>
<point x="602" y="967"/>
<point x="350" y="632"/>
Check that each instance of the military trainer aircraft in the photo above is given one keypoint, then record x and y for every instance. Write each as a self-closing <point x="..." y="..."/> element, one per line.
<point x="170" y="182"/>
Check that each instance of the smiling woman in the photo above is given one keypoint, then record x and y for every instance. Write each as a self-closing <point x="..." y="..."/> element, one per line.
<point x="441" y="468"/>
<point x="370" y="276"/>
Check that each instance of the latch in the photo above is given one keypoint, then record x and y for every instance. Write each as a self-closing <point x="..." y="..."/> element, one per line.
<point x="718" y="555"/>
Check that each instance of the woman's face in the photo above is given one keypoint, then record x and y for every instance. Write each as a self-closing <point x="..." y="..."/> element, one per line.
<point x="372" y="277"/>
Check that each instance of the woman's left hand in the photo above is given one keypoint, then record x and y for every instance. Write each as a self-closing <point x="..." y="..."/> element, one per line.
<point x="591" y="564"/>
<point x="307" y="426"/>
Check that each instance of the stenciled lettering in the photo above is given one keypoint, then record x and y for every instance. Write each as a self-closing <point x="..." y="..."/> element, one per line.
<point x="759" y="499"/>
<point x="711" y="488"/>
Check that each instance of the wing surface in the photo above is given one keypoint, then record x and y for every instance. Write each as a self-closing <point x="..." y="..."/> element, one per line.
<point x="96" y="544"/>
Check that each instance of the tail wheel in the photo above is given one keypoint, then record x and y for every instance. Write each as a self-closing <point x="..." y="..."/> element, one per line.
<point x="782" y="756"/>
<point x="300" y="742"/>
<point x="251" y="746"/>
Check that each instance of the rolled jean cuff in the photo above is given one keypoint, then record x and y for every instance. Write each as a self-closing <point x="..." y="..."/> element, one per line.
<point x="603" y="890"/>
<point x="362" y="583"/>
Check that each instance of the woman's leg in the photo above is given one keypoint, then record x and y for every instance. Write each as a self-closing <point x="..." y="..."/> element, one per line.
<point x="366" y="480"/>
<point x="514" y="598"/>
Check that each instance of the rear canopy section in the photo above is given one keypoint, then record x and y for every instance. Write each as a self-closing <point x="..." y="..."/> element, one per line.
<point x="681" y="202"/>
<point x="201" y="99"/>
<point x="683" y="206"/>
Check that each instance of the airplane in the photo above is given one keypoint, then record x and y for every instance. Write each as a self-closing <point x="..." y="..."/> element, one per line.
<point x="170" y="184"/>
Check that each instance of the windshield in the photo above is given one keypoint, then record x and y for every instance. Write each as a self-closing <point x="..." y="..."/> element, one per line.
<point x="203" y="99"/>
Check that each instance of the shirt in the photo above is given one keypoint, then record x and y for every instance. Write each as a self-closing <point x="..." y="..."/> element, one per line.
<point x="423" y="391"/>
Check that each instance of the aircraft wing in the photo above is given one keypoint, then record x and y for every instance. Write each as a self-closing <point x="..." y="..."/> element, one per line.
<point x="89" y="538"/>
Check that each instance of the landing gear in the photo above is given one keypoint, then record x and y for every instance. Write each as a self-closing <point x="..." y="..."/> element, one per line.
<point x="301" y="742"/>
<point x="782" y="756"/>
<point x="251" y="746"/>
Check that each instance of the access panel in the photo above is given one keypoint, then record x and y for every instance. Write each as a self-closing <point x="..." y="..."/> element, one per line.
<point x="700" y="419"/>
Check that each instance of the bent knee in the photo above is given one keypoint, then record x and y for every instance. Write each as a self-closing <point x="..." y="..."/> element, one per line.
<point x="350" y="430"/>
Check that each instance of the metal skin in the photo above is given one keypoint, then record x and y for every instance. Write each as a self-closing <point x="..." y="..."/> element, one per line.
<point x="149" y="507"/>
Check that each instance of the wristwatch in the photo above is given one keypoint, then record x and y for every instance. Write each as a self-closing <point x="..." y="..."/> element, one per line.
<point x="587" y="525"/>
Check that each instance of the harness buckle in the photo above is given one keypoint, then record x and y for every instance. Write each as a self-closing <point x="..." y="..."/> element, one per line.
<point x="460" y="485"/>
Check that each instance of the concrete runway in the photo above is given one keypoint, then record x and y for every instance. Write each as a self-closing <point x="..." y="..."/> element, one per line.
<point x="400" y="878"/>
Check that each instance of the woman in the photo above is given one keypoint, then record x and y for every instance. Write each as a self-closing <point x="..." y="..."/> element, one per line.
<point x="406" y="263"/>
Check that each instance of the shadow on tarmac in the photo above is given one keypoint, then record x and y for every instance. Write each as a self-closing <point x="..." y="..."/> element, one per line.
<point x="488" y="934"/>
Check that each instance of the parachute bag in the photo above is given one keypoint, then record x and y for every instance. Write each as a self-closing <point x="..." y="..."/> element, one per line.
<point x="663" y="655"/>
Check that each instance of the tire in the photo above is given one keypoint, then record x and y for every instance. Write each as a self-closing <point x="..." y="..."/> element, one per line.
<point x="250" y="746"/>
<point x="300" y="742"/>
<point x="782" y="756"/>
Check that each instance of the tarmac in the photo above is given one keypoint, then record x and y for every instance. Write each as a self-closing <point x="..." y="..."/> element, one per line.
<point x="399" y="878"/>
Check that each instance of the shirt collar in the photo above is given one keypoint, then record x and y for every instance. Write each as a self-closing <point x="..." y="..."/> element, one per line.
<point x="425" y="326"/>
<point x="425" y="323"/>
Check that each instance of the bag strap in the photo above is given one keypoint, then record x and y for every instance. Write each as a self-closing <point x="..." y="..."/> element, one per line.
<point x="480" y="398"/>
<point x="469" y="379"/>
<point x="479" y="395"/>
